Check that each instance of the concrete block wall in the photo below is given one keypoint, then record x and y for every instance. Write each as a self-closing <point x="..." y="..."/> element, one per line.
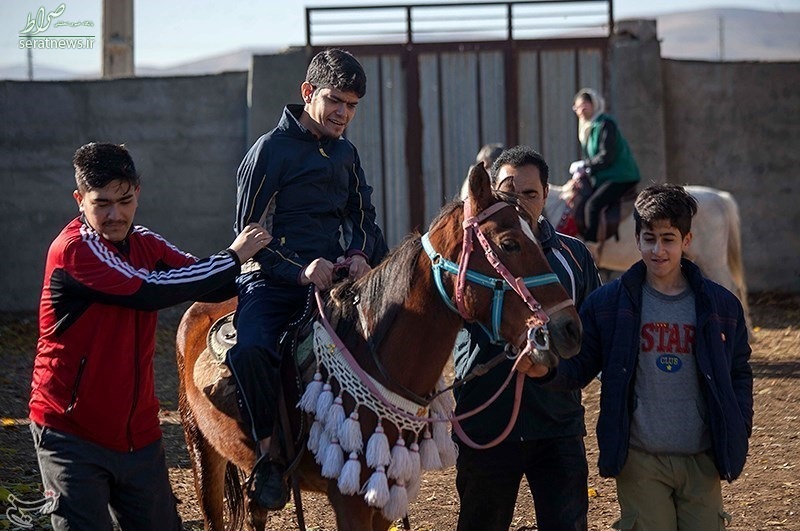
<point x="636" y="94"/>
<point x="273" y="82"/>
<point x="187" y="136"/>
<point x="728" y="125"/>
<point x="734" y="126"/>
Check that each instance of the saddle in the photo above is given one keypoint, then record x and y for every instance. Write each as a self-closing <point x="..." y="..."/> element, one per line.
<point x="572" y="222"/>
<point x="214" y="378"/>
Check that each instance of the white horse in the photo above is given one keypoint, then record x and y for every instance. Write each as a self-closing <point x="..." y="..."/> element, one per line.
<point x="716" y="238"/>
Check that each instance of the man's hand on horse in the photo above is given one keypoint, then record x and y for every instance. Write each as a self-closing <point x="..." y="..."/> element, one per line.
<point x="535" y="370"/>
<point x="319" y="272"/>
<point x="252" y="239"/>
<point x="358" y="266"/>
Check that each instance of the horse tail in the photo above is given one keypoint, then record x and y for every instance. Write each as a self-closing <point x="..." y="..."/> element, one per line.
<point x="735" y="263"/>
<point x="234" y="497"/>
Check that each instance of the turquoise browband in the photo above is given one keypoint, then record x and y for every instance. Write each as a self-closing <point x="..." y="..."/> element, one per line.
<point x="498" y="285"/>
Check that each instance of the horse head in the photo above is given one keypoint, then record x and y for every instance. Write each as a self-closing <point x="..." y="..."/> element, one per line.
<point x="496" y="251"/>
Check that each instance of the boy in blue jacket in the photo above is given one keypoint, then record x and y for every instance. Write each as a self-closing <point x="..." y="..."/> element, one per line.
<point x="676" y="405"/>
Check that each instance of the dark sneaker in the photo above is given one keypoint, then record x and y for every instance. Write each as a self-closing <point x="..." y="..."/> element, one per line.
<point x="268" y="488"/>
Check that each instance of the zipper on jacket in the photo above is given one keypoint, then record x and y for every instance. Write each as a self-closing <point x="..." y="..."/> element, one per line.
<point x="135" y="381"/>
<point x="74" y="397"/>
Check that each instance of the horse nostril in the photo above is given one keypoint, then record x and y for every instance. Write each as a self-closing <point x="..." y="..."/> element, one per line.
<point x="574" y="330"/>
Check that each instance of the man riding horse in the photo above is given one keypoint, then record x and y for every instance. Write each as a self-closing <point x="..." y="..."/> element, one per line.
<point x="304" y="182"/>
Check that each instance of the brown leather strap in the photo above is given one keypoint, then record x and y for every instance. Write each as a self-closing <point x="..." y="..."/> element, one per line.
<point x="294" y="460"/>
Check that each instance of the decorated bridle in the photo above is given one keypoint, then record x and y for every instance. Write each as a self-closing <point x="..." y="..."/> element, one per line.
<point x="538" y="336"/>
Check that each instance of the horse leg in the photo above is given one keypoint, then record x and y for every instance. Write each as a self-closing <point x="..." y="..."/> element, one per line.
<point x="352" y="512"/>
<point x="379" y="523"/>
<point x="208" y="468"/>
<point x="256" y="516"/>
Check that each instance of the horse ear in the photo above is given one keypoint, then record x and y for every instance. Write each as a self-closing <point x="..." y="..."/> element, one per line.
<point x="480" y="187"/>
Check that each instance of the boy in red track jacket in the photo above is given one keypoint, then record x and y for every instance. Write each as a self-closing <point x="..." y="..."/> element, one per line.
<point x="93" y="407"/>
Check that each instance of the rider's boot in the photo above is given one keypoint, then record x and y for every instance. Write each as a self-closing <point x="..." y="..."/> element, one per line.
<point x="267" y="485"/>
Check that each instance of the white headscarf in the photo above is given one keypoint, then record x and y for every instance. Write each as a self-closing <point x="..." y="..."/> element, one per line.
<point x="599" y="105"/>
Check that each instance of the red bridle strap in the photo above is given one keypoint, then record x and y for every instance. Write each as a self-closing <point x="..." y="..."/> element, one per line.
<point x="471" y="226"/>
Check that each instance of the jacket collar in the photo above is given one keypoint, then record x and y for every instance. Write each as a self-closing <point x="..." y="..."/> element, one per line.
<point x="124" y="246"/>
<point x="291" y="126"/>
<point x="547" y="234"/>
<point x="633" y="279"/>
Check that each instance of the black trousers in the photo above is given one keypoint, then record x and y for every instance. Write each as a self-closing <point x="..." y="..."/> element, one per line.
<point x="262" y="314"/>
<point x="557" y="473"/>
<point x="605" y="194"/>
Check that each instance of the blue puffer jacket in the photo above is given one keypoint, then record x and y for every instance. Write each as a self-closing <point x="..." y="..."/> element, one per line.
<point x="611" y="335"/>
<point x="307" y="192"/>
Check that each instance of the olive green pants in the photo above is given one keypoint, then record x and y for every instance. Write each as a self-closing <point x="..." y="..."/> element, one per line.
<point x="670" y="493"/>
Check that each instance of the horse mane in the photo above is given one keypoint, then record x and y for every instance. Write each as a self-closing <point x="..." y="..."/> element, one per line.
<point x="383" y="291"/>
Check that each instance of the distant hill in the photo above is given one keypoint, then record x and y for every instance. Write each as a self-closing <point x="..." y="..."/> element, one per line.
<point x="235" y="61"/>
<point x="747" y="35"/>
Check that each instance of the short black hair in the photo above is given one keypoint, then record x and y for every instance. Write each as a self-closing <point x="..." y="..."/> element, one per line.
<point x="97" y="164"/>
<point x="660" y="202"/>
<point x="338" y="69"/>
<point x="519" y="156"/>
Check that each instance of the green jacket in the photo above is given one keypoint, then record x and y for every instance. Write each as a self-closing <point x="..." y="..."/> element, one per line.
<point x="543" y="413"/>
<point x="607" y="155"/>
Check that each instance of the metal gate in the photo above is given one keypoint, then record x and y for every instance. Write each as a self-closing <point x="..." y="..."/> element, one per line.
<point x="449" y="78"/>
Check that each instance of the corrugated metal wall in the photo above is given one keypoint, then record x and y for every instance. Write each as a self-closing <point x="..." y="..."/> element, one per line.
<point x="548" y="80"/>
<point x="464" y="102"/>
<point x="379" y="134"/>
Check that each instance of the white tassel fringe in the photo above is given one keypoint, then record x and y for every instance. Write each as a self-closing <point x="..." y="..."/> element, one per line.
<point x="350" y="437"/>
<point x="448" y="451"/>
<point x="376" y="491"/>
<point x="308" y="402"/>
<point x="322" y="449"/>
<point x="335" y="418"/>
<point x="350" y="478"/>
<point x="429" y="453"/>
<point x="314" y="435"/>
<point x="324" y="402"/>
<point x="397" y="506"/>
<point x="378" y="449"/>
<point x="334" y="460"/>
<point x="400" y="467"/>
<point x="416" y="465"/>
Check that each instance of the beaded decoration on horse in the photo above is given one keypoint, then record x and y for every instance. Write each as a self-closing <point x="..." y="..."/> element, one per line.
<point x="336" y="440"/>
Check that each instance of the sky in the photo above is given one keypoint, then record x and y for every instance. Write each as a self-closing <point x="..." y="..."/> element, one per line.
<point x="170" y="33"/>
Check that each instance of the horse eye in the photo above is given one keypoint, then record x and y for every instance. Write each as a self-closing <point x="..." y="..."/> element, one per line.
<point x="509" y="246"/>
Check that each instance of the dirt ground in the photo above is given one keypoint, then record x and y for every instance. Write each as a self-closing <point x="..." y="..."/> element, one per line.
<point x="763" y="498"/>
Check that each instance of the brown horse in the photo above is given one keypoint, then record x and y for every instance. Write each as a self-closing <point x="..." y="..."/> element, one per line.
<point x="404" y="332"/>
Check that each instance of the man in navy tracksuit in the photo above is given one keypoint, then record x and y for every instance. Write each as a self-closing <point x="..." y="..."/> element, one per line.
<point x="303" y="182"/>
